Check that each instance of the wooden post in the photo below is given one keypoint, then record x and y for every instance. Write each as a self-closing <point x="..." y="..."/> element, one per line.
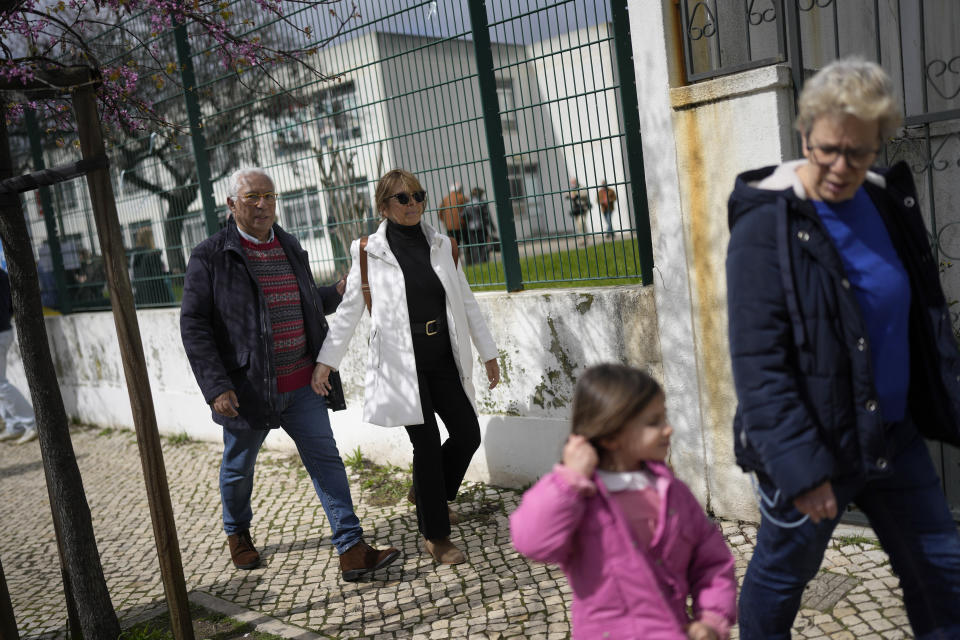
<point x="134" y="365"/>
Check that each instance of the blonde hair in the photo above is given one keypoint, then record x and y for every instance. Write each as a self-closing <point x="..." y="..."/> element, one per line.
<point x="389" y="183"/>
<point x="144" y="238"/>
<point x="850" y="86"/>
<point x="607" y="397"/>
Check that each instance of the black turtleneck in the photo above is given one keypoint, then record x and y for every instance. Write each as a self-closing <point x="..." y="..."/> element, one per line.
<point x="426" y="299"/>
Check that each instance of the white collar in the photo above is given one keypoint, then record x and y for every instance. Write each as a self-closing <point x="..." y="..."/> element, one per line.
<point x="785" y="177"/>
<point x="250" y="238"/>
<point x="626" y="480"/>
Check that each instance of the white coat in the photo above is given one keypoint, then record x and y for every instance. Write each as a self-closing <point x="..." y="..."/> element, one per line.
<point x="391" y="395"/>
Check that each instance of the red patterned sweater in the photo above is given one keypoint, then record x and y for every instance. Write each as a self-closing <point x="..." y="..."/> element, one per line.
<point x="272" y="269"/>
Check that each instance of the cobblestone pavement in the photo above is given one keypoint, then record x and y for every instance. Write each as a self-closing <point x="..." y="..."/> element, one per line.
<point x="498" y="594"/>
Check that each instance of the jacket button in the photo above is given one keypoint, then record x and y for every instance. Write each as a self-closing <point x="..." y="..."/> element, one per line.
<point x="861" y="344"/>
<point x="909" y="201"/>
<point x="803" y="235"/>
<point x="871" y="405"/>
<point x="881" y="463"/>
<point x="845" y="283"/>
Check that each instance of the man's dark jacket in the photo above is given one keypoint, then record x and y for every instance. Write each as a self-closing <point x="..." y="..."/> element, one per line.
<point x="808" y="409"/>
<point x="226" y="329"/>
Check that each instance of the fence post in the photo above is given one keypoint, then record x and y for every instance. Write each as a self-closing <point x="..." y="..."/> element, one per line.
<point x="197" y="139"/>
<point x="49" y="214"/>
<point x="487" y="83"/>
<point x="633" y="142"/>
<point x="791" y="15"/>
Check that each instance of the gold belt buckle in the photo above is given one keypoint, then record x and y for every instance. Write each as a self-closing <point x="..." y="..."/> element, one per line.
<point x="427" y="328"/>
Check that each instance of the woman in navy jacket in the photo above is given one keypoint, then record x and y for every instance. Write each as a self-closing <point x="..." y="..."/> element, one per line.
<point x="843" y="358"/>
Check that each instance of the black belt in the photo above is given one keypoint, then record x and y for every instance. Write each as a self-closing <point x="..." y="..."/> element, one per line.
<point x="429" y="328"/>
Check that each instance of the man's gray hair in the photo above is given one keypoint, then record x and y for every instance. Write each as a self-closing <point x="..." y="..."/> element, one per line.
<point x="233" y="183"/>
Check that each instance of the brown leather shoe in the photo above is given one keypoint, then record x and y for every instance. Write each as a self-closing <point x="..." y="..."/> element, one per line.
<point x="361" y="558"/>
<point x="451" y="514"/>
<point x="242" y="551"/>
<point x="444" y="551"/>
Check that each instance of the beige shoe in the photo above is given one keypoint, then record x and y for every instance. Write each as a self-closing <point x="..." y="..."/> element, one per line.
<point x="444" y="551"/>
<point x="451" y="514"/>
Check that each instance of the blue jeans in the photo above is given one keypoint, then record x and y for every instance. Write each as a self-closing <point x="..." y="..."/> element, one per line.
<point x="909" y="514"/>
<point x="303" y="415"/>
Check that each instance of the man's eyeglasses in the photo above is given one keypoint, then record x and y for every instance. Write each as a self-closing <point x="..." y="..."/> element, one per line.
<point x="404" y="198"/>
<point x="825" y="155"/>
<point x="254" y="198"/>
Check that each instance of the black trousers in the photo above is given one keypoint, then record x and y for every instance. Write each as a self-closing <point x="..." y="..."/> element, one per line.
<point x="438" y="469"/>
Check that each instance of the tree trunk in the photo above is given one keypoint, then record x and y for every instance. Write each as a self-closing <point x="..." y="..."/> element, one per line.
<point x="68" y="501"/>
<point x="134" y="365"/>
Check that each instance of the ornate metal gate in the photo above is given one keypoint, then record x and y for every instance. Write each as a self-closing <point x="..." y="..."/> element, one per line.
<point x="915" y="42"/>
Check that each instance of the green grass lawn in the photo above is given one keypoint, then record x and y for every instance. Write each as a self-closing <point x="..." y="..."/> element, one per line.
<point x="608" y="263"/>
<point x="603" y="264"/>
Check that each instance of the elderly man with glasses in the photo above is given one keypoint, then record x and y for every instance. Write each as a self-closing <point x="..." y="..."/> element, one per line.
<point x="252" y="322"/>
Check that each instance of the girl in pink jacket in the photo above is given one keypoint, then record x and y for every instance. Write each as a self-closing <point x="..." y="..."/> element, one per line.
<point x="632" y="539"/>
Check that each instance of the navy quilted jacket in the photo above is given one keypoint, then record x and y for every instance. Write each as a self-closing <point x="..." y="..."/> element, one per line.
<point x="226" y="330"/>
<point x="807" y="407"/>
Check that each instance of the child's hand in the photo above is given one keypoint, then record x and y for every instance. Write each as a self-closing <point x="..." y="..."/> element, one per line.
<point x="700" y="631"/>
<point x="579" y="455"/>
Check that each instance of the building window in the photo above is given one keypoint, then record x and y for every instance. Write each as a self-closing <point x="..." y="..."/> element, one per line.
<point x="67" y="194"/>
<point x="291" y="137"/>
<point x="523" y="181"/>
<point x="194" y="230"/>
<point x="508" y="117"/>
<point x="299" y="211"/>
<point x="338" y="113"/>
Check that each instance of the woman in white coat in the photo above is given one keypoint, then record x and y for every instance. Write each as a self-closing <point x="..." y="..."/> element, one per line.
<point x="423" y="316"/>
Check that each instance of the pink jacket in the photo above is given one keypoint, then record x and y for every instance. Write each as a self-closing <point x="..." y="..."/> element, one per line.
<point x="619" y="591"/>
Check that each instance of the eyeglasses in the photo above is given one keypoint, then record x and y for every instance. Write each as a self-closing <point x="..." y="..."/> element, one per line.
<point x="826" y="154"/>
<point x="404" y="198"/>
<point x="254" y="198"/>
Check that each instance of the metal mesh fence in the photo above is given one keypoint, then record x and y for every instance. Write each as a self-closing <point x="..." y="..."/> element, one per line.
<point x="511" y="114"/>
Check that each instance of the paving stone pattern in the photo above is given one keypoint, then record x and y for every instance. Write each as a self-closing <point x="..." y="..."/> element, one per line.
<point x="498" y="594"/>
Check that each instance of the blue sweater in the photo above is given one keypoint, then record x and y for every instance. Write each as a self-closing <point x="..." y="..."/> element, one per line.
<point x="880" y="284"/>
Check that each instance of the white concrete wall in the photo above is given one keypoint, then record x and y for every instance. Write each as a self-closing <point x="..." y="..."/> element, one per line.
<point x="695" y="140"/>
<point x="545" y="340"/>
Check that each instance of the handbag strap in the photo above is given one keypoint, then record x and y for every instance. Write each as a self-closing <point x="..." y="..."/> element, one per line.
<point x="365" y="284"/>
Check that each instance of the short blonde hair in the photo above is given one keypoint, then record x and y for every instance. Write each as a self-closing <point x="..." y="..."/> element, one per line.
<point x="850" y="86"/>
<point x="144" y="238"/>
<point x="391" y="182"/>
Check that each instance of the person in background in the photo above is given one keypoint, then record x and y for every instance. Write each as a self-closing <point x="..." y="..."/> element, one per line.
<point x="579" y="206"/>
<point x="20" y="423"/>
<point x="422" y="318"/>
<point x="252" y="322"/>
<point x="477" y="216"/>
<point x="607" y="201"/>
<point x="632" y="539"/>
<point x="147" y="273"/>
<point x="843" y="358"/>
<point x="451" y="212"/>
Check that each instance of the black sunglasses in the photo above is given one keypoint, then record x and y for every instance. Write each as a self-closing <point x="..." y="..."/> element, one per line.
<point x="404" y="198"/>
